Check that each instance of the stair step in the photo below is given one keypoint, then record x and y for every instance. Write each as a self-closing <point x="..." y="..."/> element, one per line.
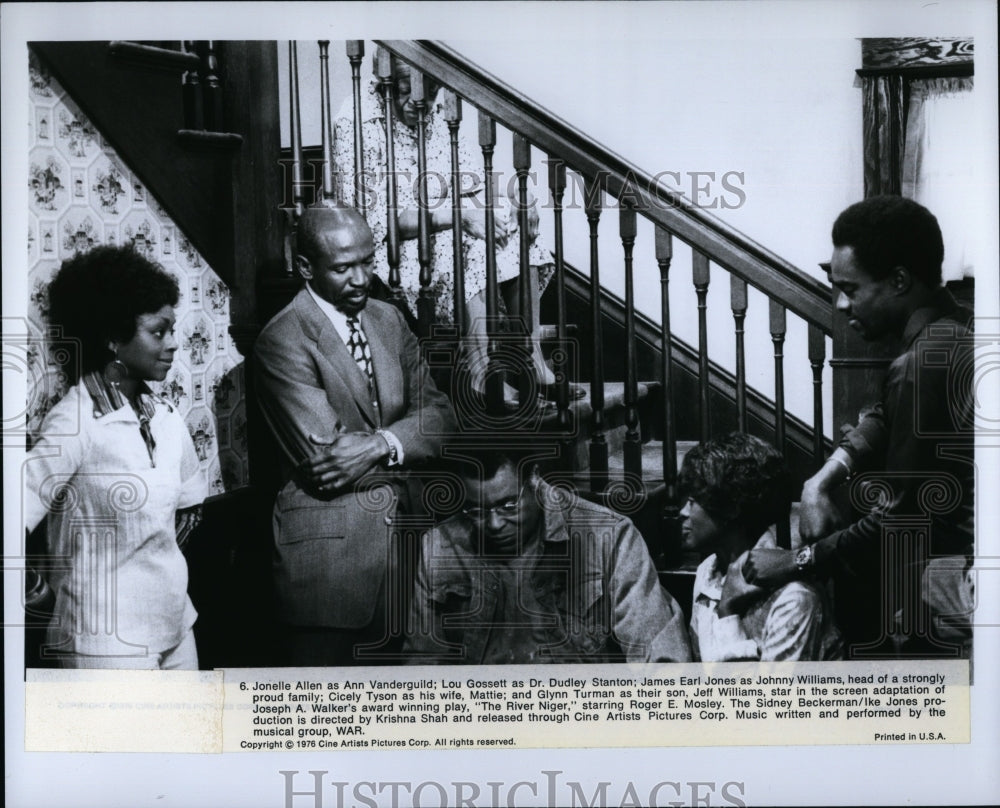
<point x="614" y="397"/>
<point x="203" y="140"/>
<point x="614" y="400"/>
<point x="652" y="459"/>
<point x="582" y="411"/>
<point x="652" y="486"/>
<point x="551" y="332"/>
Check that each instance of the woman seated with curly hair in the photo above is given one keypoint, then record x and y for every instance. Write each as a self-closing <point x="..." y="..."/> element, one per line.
<point x="111" y="471"/>
<point x="737" y="488"/>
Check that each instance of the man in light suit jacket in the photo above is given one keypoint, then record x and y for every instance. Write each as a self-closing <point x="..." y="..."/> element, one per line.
<point x="350" y="413"/>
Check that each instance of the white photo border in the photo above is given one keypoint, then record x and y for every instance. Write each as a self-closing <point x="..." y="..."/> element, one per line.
<point x="787" y="775"/>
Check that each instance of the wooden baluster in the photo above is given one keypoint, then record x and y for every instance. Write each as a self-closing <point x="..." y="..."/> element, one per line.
<point x="191" y="83"/>
<point x="494" y="378"/>
<point x="453" y="115"/>
<point x="633" y="441"/>
<point x="598" y="440"/>
<point x="426" y="299"/>
<point x="664" y="248"/>
<point x="700" y="277"/>
<point x="212" y="91"/>
<point x="557" y="186"/>
<point x="383" y="68"/>
<point x="778" y="330"/>
<point x="527" y="387"/>
<point x="355" y="55"/>
<point x="326" y="126"/>
<point x="738" y="302"/>
<point x="296" y="126"/>
<point x="817" y="357"/>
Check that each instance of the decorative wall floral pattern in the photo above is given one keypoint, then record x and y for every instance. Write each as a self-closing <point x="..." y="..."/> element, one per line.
<point x="81" y="195"/>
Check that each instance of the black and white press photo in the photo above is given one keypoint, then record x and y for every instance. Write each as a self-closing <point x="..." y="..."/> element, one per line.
<point x="519" y="404"/>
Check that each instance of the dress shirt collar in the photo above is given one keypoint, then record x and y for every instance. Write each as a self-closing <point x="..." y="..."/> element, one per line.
<point x="108" y="402"/>
<point x="943" y="305"/>
<point x="336" y="317"/>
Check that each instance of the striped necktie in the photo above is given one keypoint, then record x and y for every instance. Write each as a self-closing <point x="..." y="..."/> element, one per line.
<point x="357" y="343"/>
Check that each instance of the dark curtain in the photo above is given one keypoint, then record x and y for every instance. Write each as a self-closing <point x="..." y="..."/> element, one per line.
<point x="884" y="99"/>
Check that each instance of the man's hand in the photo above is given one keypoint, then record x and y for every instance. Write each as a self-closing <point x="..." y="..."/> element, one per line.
<point x="737" y="594"/>
<point x="770" y="567"/>
<point x="474" y="223"/>
<point x="818" y="516"/>
<point x="534" y="220"/>
<point x="341" y="460"/>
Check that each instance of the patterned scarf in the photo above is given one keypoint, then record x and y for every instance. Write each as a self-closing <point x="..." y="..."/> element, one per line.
<point x="108" y="398"/>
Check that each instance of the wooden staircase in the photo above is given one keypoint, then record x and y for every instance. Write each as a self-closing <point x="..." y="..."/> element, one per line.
<point x="202" y="133"/>
<point x="210" y="151"/>
<point x="205" y="149"/>
<point x="625" y="450"/>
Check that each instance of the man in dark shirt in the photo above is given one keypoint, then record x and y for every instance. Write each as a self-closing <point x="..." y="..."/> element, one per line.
<point x="915" y="540"/>
<point x="529" y="573"/>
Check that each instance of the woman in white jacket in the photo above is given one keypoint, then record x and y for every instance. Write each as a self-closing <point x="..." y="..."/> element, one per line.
<point x="115" y="473"/>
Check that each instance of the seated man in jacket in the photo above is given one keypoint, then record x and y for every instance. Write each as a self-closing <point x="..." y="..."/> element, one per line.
<point x="528" y="573"/>
<point x="737" y="487"/>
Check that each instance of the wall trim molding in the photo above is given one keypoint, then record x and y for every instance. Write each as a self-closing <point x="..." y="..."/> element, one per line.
<point x="894" y="54"/>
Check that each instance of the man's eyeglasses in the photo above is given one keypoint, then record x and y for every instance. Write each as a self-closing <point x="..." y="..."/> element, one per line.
<point x="505" y="510"/>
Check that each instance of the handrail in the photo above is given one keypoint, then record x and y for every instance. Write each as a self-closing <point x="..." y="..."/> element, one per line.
<point x="799" y="292"/>
<point x="153" y="55"/>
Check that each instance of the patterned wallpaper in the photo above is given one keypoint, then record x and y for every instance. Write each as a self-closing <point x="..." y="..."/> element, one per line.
<point x="81" y="194"/>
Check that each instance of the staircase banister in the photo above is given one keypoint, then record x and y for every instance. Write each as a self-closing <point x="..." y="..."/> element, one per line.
<point x="154" y="55"/>
<point x="721" y="380"/>
<point x="798" y="291"/>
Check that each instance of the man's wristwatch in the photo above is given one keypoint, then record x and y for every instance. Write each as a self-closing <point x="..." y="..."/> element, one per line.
<point x="805" y="559"/>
